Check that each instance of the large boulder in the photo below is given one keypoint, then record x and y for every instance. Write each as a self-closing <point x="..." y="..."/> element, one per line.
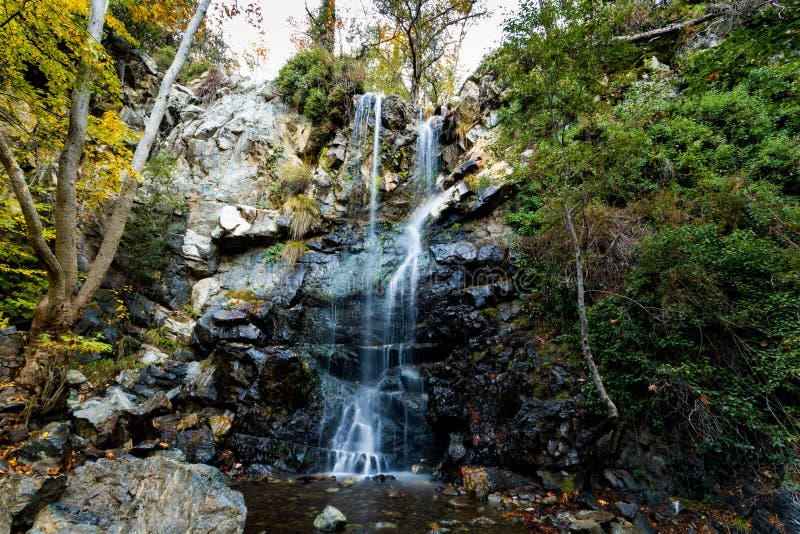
<point x="156" y="494"/>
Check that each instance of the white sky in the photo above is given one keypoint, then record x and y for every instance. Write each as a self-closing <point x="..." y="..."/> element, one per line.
<point x="241" y="37"/>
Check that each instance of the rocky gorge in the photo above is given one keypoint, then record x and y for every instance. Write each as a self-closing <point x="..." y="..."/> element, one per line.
<point x="247" y="360"/>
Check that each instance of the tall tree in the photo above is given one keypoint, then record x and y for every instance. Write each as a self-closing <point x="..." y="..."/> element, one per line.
<point x="426" y="30"/>
<point x="62" y="306"/>
<point x="552" y="61"/>
<point x="322" y="25"/>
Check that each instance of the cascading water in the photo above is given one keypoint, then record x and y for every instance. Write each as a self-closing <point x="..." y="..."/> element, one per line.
<point x="372" y="433"/>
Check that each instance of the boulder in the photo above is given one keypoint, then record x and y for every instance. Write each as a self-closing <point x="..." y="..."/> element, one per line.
<point x="48" y="449"/>
<point x="156" y="494"/>
<point x="21" y="497"/>
<point x="330" y="520"/>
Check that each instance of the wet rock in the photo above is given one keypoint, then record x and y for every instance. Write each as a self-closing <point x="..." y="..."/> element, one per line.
<point x="220" y="425"/>
<point x="620" y="526"/>
<point x="476" y="482"/>
<point x="21" y="497"/>
<point x="156" y="494"/>
<point x="330" y="520"/>
<point x="454" y="253"/>
<point x="786" y="505"/>
<point x="456" y="450"/>
<point x="197" y="445"/>
<point x="597" y="516"/>
<point x="46" y="450"/>
<point x="208" y="333"/>
<point x="585" y="525"/>
<point x="621" y="480"/>
<point x="628" y="510"/>
<point x="482" y="522"/>
<point x="642" y="525"/>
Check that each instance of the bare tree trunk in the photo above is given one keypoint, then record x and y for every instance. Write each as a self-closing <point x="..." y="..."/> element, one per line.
<point x="611" y="408"/>
<point x="43" y="371"/>
<point x="66" y="213"/>
<point x="116" y="223"/>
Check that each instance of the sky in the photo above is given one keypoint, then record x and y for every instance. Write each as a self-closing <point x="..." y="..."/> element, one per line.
<point x="277" y="32"/>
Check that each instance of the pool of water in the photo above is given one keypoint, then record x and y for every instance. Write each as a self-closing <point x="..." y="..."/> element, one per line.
<point x="407" y="504"/>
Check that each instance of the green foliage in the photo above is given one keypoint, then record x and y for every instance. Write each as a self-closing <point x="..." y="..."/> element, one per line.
<point x="104" y="370"/>
<point x="22" y="281"/>
<point x="145" y="246"/>
<point x="273" y="253"/>
<point x="321" y="86"/>
<point x="686" y="188"/>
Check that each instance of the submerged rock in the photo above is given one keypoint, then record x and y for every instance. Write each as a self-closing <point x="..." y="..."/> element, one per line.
<point x="330" y="520"/>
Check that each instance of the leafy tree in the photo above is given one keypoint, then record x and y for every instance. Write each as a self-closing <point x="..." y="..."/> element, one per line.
<point x="424" y="32"/>
<point x="682" y="187"/>
<point x="71" y="65"/>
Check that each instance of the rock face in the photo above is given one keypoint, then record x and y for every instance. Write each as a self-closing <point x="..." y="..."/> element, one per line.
<point x="21" y="497"/>
<point x="157" y="494"/>
<point x="273" y="345"/>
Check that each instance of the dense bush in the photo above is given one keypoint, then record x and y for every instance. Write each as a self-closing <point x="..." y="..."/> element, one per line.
<point x="321" y="86"/>
<point x="685" y="186"/>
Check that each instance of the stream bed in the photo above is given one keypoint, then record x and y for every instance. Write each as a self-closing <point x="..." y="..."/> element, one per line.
<point x="408" y="505"/>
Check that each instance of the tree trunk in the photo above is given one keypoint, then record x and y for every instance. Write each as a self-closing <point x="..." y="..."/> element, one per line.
<point x="55" y="315"/>
<point x="66" y="212"/>
<point x="611" y="408"/>
<point x="116" y="223"/>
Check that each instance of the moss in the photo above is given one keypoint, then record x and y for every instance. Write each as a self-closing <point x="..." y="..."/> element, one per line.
<point x="245" y="295"/>
<point x="489" y="313"/>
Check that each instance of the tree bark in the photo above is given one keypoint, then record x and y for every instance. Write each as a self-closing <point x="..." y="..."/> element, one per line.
<point x="66" y="212"/>
<point x="116" y="223"/>
<point x="611" y="408"/>
<point x="658" y="32"/>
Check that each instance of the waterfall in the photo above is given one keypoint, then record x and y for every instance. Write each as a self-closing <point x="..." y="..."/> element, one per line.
<point x="372" y="433"/>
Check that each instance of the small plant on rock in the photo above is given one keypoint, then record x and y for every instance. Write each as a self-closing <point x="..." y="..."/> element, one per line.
<point x="292" y="252"/>
<point x="304" y="212"/>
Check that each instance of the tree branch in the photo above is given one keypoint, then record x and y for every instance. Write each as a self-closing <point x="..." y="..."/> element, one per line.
<point x="33" y="224"/>
<point x="670" y="28"/>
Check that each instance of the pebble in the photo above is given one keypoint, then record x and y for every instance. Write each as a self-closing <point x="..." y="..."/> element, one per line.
<point x="331" y="490"/>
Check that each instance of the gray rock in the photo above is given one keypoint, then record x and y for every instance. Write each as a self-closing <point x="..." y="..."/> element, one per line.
<point x="57" y="518"/>
<point x="330" y="520"/>
<point x="157" y="494"/>
<point x="47" y="449"/>
<point x="75" y="377"/>
<point x="628" y="510"/>
<point x="585" y="525"/>
<point x="21" y="497"/>
<point x="202" y="292"/>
